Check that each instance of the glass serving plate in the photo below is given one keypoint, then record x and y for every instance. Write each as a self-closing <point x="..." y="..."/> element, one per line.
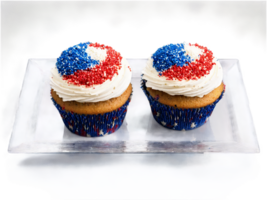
<point x="38" y="127"/>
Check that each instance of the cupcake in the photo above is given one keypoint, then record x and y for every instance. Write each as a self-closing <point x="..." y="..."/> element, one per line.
<point x="90" y="87"/>
<point x="183" y="84"/>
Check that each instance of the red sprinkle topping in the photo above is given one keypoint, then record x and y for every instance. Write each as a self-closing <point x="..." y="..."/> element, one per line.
<point x="99" y="73"/>
<point x="130" y="68"/>
<point x="194" y="70"/>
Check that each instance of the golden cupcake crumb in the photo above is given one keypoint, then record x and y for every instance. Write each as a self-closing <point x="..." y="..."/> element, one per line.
<point x="180" y="101"/>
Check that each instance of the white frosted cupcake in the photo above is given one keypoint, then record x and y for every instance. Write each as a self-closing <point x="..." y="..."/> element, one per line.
<point x="183" y="83"/>
<point x="90" y="87"/>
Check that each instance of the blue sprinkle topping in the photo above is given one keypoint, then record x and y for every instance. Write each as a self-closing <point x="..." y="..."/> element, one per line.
<point x="75" y="58"/>
<point x="169" y="55"/>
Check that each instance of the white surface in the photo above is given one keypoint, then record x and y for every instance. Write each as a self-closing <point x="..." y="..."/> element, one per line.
<point x="133" y="176"/>
<point x="38" y="127"/>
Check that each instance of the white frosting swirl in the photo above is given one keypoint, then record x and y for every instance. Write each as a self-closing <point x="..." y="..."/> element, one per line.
<point x="109" y="89"/>
<point x="189" y="88"/>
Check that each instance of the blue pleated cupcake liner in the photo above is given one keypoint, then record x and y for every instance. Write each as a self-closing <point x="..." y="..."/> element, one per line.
<point x="93" y="125"/>
<point x="177" y="118"/>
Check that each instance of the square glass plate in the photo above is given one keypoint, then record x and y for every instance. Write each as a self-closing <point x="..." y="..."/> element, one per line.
<point x="38" y="127"/>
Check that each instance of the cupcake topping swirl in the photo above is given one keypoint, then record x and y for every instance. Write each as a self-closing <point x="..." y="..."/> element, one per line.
<point x="90" y="72"/>
<point x="174" y="62"/>
<point x="183" y="69"/>
<point x="89" y="64"/>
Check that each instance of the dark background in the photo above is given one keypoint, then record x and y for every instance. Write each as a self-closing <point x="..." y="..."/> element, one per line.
<point x="132" y="40"/>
